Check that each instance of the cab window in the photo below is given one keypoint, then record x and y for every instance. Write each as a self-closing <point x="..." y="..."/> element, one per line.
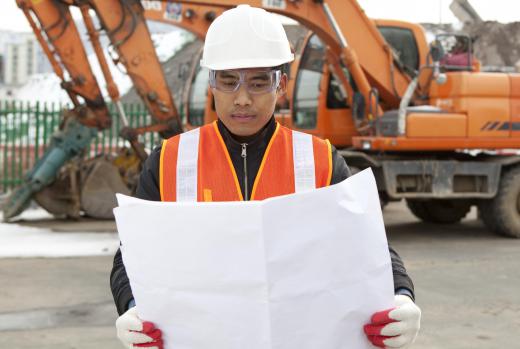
<point x="335" y="97"/>
<point x="308" y="84"/>
<point x="403" y="42"/>
<point x="198" y="96"/>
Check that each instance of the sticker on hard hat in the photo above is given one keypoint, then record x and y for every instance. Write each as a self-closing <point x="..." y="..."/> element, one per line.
<point x="276" y="4"/>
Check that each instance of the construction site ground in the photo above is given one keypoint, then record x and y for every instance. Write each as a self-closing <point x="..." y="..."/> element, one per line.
<point x="467" y="281"/>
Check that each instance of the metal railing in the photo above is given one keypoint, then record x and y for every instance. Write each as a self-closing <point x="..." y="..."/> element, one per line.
<point x="26" y="130"/>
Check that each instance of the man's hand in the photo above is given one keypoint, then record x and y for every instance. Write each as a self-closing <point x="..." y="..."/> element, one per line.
<point x="396" y="327"/>
<point x="133" y="332"/>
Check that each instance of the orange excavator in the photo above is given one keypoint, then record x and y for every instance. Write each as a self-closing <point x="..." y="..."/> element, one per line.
<point x="431" y="132"/>
<point x="434" y="133"/>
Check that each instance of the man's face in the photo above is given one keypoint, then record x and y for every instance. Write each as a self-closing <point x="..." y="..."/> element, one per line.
<point x="245" y="113"/>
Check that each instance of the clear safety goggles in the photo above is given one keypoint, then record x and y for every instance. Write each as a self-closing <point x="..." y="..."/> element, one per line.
<point x="255" y="81"/>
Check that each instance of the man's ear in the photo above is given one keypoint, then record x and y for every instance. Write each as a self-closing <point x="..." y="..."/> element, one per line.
<point x="282" y="87"/>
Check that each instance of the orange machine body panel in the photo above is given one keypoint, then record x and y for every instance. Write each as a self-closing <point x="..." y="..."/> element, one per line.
<point x="489" y="103"/>
<point x="436" y="125"/>
<point x="484" y="97"/>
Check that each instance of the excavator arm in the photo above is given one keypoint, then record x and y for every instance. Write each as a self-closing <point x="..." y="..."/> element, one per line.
<point x="193" y="18"/>
<point x="56" y="32"/>
<point x="55" y="29"/>
<point x="125" y="25"/>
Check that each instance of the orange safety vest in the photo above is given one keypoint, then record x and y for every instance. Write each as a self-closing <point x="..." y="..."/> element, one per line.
<point x="196" y="166"/>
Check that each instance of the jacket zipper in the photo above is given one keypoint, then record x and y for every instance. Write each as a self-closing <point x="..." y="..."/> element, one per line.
<point x="244" y="156"/>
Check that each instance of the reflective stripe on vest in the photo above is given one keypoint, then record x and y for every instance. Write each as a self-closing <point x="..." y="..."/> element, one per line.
<point x="187" y="160"/>
<point x="303" y="158"/>
<point x="197" y="166"/>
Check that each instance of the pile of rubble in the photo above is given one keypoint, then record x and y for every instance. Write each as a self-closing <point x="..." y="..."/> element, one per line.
<point x="496" y="44"/>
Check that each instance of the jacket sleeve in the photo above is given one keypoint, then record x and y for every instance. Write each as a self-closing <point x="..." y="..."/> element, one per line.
<point x="402" y="282"/>
<point x="148" y="185"/>
<point x="147" y="189"/>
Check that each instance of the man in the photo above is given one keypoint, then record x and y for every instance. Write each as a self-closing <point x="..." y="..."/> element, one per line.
<point x="459" y="55"/>
<point x="246" y="155"/>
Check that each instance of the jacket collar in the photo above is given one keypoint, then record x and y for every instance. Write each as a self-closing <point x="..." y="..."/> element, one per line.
<point x="261" y="139"/>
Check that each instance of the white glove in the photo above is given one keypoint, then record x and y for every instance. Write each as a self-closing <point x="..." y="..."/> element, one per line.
<point x="133" y="332"/>
<point x="396" y="327"/>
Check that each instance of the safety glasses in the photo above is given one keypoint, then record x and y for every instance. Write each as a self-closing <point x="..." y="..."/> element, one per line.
<point x="255" y="81"/>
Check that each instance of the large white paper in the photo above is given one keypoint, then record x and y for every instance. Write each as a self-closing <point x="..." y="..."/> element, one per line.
<point x="302" y="271"/>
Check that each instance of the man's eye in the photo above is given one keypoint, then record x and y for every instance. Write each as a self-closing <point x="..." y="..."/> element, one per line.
<point x="258" y="83"/>
<point x="228" y="82"/>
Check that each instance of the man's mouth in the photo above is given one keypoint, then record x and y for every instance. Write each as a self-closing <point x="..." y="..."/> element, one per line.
<point x="242" y="116"/>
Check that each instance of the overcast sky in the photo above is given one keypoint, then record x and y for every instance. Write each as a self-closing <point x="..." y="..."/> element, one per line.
<point x="434" y="11"/>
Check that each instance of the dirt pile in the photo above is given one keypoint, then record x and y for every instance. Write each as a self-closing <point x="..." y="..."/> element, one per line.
<point x="496" y="44"/>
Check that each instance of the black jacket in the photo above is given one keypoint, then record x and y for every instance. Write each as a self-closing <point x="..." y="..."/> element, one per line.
<point x="148" y="189"/>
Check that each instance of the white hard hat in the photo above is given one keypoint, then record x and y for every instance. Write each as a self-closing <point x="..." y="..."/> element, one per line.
<point x="245" y="37"/>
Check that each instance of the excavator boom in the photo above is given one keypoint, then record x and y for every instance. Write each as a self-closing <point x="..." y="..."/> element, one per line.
<point x="125" y="25"/>
<point x="59" y="37"/>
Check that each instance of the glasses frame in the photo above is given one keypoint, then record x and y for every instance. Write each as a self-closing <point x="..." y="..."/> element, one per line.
<point x="242" y="80"/>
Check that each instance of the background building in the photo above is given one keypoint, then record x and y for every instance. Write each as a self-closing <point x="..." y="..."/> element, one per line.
<point x="22" y="57"/>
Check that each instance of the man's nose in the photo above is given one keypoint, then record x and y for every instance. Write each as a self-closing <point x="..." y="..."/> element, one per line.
<point x="242" y="96"/>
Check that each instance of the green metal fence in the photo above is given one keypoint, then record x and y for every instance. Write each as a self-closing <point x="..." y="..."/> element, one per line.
<point x="26" y="130"/>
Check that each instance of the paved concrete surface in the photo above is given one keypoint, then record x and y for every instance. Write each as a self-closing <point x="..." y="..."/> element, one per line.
<point x="467" y="284"/>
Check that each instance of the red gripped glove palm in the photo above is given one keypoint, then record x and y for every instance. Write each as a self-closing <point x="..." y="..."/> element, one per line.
<point x="135" y="333"/>
<point x="396" y="327"/>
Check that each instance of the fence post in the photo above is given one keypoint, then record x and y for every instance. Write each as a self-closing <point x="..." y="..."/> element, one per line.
<point x="36" y="123"/>
<point x="113" y="117"/>
<point x="3" y="134"/>
<point x="13" y="147"/>
<point x="152" y="134"/>
<point x="28" y="143"/>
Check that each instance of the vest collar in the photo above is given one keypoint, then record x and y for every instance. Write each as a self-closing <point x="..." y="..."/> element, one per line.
<point x="260" y="139"/>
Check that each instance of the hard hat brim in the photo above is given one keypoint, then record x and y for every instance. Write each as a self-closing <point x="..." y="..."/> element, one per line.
<point x="245" y="64"/>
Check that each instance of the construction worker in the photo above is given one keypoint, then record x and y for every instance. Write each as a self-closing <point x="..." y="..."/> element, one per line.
<point x="247" y="155"/>
<point x="459" y="55"/>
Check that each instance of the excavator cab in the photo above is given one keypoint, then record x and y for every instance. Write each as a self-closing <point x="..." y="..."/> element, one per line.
<point x="320" y="104"/>
<point x="323" y="106"/>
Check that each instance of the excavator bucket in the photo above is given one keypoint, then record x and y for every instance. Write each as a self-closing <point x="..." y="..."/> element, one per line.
<point x="61" y="198"/>
<point x="88" y="188"/>
<point x="17" y="202"/>
<point x="102" y="181"/>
